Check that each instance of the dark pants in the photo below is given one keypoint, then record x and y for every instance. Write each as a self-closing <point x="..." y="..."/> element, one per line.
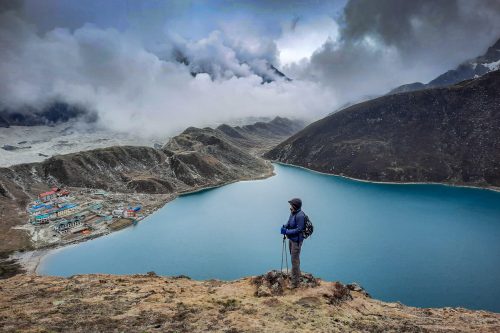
<point x="295" y="255"/>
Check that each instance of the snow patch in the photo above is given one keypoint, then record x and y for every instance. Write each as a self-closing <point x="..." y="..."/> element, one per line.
<point x="47" y="141"/>
<point x="493" y="66"/>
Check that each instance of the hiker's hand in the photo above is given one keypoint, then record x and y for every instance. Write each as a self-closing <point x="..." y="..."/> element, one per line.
<point x="283" y="230"/>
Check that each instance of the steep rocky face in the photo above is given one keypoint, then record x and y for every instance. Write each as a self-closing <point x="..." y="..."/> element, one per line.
<point x="151" y="303"/>
<point x="470" y="69"/>
<point x="446" y="135"/>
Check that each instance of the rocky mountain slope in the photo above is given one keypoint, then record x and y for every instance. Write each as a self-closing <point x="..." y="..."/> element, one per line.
<point x="197" y="158"/>
<point x="262" y="136"/>
<point x="446" y="135"/>
<point x="469" y="69"/>
<point x="150" y="303"/>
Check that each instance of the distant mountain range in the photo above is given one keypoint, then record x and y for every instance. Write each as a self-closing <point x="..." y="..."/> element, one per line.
<point x="446" y="135"/>
<point x="469" y="69"/>
<point x="53" y="113"/>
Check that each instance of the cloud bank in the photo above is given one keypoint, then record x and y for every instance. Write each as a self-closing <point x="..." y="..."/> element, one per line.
<point x="157" y="67"/>
<point x="133" y="89"/>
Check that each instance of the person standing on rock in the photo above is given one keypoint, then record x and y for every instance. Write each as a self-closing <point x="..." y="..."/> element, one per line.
<point x="293" y="230"/>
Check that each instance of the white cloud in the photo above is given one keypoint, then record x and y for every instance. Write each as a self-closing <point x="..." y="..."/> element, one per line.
<point x="300" y="39"/>
<point x="132" y="89"/>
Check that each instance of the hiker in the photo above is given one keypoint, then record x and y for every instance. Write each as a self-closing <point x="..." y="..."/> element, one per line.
<point x="293" y="230"/>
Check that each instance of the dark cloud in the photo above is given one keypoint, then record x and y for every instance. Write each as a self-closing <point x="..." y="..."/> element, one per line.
<point x="423" y="25"/>
<point x="385" y="43"/>
<point x="10" y="5"/>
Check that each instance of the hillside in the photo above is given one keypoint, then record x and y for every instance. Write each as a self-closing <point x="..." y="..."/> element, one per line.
<point x="150" y="303"/>
<point x="262" y="136"/>
<point x="445" y="135"/>
<point x="197" y="158"/>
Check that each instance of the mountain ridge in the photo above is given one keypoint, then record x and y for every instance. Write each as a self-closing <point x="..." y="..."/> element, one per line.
<point x="469" y="69"/>
<point x="442" y="135"/>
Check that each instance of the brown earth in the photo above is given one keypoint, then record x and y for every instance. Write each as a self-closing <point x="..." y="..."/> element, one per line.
<point x="120" y="224"/>
<point x="150" y="303"/>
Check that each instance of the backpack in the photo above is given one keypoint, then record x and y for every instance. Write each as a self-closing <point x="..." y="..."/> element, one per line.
<point x="308" y="227"/>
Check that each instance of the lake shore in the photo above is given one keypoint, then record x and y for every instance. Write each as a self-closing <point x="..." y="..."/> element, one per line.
<point x="30" y="260"/>
<point x="488" y="188"/>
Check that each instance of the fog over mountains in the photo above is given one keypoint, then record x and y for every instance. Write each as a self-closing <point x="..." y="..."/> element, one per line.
<point x="167" y="66"/>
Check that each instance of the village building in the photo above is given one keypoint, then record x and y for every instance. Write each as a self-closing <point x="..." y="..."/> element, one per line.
<point x="41" y="219"/>
<point x="66" y="210"/>
<point x="39" y="207"/>
<point x="118" y="212"/>
<point x="54" y="193"/>
<point x="47" y="196"/>
<point x="64" y="225"/>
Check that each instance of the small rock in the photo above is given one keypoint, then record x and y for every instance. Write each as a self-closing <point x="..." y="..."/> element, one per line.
<point x="339" y="293"/>
<point x="263" y="291"/>
<point x="276" y="281"/>
<point x="277" y="288"/>
<point x="356" y="287"/>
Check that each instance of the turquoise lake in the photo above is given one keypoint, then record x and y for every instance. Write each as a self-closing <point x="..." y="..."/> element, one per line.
<point x="422" y="245"/>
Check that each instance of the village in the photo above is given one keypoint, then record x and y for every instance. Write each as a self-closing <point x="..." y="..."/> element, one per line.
<point x="62" y="216"/>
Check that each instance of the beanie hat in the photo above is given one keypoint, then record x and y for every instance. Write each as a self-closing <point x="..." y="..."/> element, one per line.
<point x="295" y="202"/>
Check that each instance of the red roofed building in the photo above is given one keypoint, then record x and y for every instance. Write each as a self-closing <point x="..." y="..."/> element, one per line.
<point x="47" y="196"/>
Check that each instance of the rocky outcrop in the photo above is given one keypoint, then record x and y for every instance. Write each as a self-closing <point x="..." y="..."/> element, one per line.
<point x="151" y="303"/>
<point x="470" y="69"/>
<point x="445" y="135"/>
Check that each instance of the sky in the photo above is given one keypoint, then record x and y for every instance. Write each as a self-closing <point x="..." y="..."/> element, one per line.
<point x="157" y="67"/>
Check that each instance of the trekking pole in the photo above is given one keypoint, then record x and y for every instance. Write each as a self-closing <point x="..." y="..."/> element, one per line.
<point x="282" y="250"/>
<point x="286" y="254"/>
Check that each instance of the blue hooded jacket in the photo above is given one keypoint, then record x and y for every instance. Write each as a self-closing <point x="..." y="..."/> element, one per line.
<point x="295" y="226"/>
